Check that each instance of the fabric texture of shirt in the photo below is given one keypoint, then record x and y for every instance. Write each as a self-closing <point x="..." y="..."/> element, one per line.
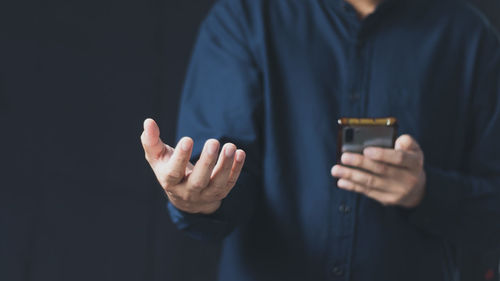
<point x="273" y="77"/>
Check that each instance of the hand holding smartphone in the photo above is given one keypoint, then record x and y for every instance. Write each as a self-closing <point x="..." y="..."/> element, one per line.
<point x="391" y="172"/>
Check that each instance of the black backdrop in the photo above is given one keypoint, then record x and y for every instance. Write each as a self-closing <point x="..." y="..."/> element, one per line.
<point x="77" y="78"/>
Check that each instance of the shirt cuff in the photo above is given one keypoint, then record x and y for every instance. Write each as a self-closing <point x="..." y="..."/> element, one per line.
<point x="199" y="226"/>
<point x="438" y="212"/>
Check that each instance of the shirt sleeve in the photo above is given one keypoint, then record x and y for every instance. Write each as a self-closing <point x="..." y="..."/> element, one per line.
<point x="464" y="206"/>
<point x="222" y="99"/>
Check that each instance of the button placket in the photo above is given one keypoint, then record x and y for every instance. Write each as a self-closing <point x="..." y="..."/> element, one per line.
<point x="354" y="97"/>
<point x="344" y="209"/>
<point x="337" y="271"/>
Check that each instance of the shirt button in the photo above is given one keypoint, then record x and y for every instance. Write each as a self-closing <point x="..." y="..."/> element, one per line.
<point x="337" y="271"/>
<point x="343" y="209"/>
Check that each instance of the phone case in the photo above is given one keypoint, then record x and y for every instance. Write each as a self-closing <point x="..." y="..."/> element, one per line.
<point x="357" y="133"/>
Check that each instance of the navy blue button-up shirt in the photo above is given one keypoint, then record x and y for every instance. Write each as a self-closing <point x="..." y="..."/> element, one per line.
<point x="274" y="76"/>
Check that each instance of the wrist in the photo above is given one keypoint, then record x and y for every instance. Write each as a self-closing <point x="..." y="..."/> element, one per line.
<point x="190" y="208"/>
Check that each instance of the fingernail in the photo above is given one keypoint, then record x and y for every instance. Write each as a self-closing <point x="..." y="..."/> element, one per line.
<point x="239" y="156"/>
<point x="347" y="158"/>
<point x="211" y="147"/>
<point x="186" y="145"/>
<point x="229" y="150"/>
<point x="370" y="151"/>
<point x="337" y="171"/>
<point x="342" y="183"/>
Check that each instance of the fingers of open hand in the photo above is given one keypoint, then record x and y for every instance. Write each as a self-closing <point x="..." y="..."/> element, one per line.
<point x="236" y="169"/>
<point x="210" y="180"/>
<point x="154" y="148"/>
<point x="200" y="177"/>
<point x="175" y="169"/>
<point x="219" y="183"/>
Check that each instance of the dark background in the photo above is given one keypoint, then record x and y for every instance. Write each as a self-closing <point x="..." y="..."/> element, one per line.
<point x="77" y="199"/>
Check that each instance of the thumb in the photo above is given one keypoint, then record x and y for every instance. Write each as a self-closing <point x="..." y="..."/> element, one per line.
<point x="406" y="142"/>
<point x="151" y="142"/>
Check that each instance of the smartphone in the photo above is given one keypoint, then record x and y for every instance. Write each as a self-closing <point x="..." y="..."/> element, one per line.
<point x="357" y="133"/>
